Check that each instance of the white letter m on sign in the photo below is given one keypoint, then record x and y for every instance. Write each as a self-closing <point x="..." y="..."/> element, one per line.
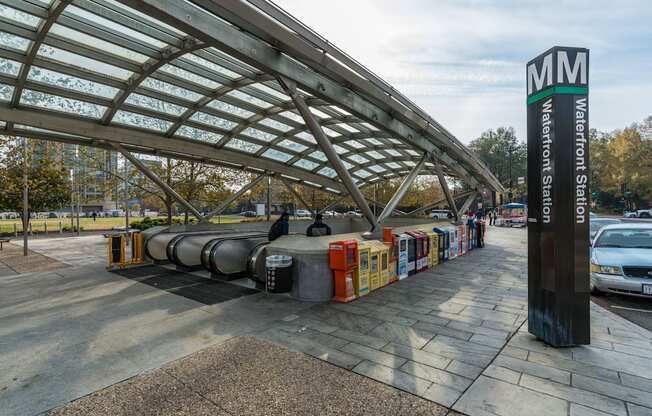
<point x="563" y="67"/>
<point x="535" y="81"/>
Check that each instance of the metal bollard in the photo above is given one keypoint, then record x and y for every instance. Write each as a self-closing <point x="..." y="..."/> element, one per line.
<point x="137" y="248"/>
<point x="116" y="246"/>
<point x="60" y="228"/>
<point x="45" y="227"/>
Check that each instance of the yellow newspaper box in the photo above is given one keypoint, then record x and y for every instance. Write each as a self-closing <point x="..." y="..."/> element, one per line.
<point x="433" y="254"/>
<point x="374" y="266"/>
<point x="361" y="280"/>
<point x="383" y="262"/>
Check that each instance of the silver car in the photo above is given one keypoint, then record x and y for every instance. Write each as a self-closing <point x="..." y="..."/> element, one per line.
<point x="596" y="223"/>
<point x="621" y="260"/>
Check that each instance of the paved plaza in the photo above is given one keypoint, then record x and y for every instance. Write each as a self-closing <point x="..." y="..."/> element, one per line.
<point x="454" y="337"/>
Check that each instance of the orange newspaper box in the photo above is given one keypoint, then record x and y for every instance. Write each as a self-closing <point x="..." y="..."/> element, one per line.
<point x="388" y="235"/>
<point x="344" y="289"/>
<point x="343" y="255"/>
<point x="343" y="260"/>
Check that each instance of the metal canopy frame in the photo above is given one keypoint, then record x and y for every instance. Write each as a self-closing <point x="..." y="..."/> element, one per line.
<point x="434" y="204"/>
<point x="447" y="191"/>
<point x="467" y="203"/>
<point x="225" y="204"/>
<point x="297" y="195"/>
<point x="197" y="80"/>
<point x="329" y="151"/>
<point x="164" y="186"/>
<point x="402" y="189"/>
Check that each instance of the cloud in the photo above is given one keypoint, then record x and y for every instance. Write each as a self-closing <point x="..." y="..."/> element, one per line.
<point x="463" y="61"/>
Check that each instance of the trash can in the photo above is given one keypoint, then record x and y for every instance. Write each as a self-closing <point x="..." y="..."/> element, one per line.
<point x="279" y="273"/>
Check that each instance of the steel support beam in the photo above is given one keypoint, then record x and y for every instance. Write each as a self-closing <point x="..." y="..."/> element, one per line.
<point x="467" y="203"/>
<point x="164" y="186"/>
<point x="434" y="204"/>
<point x="332" y="204"/>
<point x="400" y="192"/>
<point x="224" y="205"/>
<point x="297" y="195"/>
<point x="327" y="147"/>
<point x="444" y="187"/>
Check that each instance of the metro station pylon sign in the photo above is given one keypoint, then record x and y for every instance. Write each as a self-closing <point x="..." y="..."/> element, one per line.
<point x="558" y="196"/>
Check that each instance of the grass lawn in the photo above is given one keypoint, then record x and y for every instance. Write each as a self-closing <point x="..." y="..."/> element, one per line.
<point x="87" y="224"/>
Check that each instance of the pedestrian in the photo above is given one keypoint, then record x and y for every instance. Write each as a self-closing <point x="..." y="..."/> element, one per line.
<point x="280" y="227"/>
<point x="318" y="228"/>
<point x="94" y="215"/>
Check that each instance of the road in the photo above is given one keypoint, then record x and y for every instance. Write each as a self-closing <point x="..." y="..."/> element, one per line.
<point x="636" y="310"/>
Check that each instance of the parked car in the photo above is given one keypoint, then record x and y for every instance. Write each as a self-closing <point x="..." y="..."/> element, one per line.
<point x="440" y="214"/>
<point x="248" y="214"/>
<point x="644" y="213"/>
<point x="596" y="223"/>
<point x="621" y="260"/>
<point x="639" y="213"/>
<point x="302" y="213"/>
<point x="353" y="214"/>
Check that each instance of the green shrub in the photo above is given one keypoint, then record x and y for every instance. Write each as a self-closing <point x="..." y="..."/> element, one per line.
<point x="149" y="222"/>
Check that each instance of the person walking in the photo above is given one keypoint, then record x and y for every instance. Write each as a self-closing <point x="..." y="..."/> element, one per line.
<point x="94" y="215"/>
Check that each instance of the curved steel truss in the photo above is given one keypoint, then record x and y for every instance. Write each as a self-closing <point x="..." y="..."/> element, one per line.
<point x="197" y="79"/>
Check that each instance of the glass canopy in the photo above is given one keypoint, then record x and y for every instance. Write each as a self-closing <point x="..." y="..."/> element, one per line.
<point x="108" y="72"/>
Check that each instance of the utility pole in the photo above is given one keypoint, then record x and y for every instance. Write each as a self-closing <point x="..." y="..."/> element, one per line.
<point x="25" y="199"/>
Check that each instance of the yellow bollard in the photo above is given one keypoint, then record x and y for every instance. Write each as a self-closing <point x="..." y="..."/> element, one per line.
<point x="137" y="248"/>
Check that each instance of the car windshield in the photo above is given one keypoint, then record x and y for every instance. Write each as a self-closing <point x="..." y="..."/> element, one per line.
<point x="596" y="224"/>
<point x="625" y="238"/>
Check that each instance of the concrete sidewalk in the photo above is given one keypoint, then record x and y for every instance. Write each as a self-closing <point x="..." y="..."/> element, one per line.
<point x="457" y="335"/>
<point x="454" y="337"/>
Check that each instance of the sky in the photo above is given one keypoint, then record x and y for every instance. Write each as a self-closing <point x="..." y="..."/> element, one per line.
<point x="463" y="61"/>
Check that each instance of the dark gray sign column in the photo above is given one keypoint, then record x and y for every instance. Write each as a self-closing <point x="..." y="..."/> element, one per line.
<point x="558" y="196"/>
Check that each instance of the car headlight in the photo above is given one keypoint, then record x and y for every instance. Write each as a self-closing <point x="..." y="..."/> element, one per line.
<point x="598" y="268"/>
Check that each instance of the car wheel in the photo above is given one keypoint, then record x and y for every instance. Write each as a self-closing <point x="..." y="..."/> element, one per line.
<point x="645" y="215"/>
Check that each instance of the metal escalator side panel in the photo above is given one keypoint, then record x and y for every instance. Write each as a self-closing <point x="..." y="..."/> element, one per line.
<point x="231" y="256"/>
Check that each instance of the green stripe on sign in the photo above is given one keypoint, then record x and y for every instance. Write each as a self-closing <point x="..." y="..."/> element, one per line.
<point x="556" y="90"/>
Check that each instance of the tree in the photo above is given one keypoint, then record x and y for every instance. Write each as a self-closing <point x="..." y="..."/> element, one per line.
<point x="47" y="179"/>
<point x="504" y="154"/>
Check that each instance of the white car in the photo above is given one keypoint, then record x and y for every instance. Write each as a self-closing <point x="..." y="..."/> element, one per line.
<point x="302" y="213"/>
<point x="644" y="213"/>
<point x="621" y="260"/>
<point x="440" y="214"/>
